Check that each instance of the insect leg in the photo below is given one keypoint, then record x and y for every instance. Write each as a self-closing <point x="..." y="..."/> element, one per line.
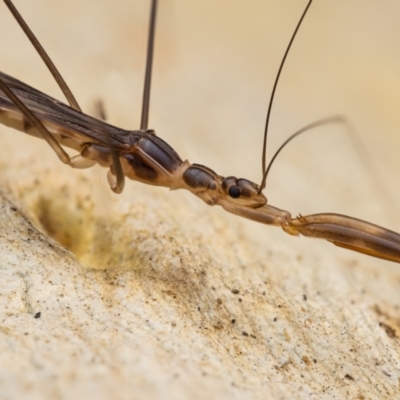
<point x="43" y="55"/>
<point x="348" y="232"/>
<point x="77" y="161"/>
<point x="74" y="162"/>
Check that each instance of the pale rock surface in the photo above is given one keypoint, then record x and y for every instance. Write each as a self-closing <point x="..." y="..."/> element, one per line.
<point x="152" y="294"/>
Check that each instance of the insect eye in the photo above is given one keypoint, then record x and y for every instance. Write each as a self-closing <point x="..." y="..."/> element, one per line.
<point x="234" y="191"/>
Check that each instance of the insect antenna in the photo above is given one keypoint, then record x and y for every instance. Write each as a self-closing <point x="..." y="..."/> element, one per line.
<point x="44" y="56"/>
<point x="271" y="100"/>
<point x="325" y="121"/>
<point x="149" y="64"/>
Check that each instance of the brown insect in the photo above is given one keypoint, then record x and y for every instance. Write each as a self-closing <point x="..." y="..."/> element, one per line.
<point x="142" y="156"/>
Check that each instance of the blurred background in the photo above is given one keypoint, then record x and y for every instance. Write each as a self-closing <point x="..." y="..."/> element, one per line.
<point x="214" y="68"/>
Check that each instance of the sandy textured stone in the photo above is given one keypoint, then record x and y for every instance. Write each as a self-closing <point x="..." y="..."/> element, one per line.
<point x="153" y="294"/>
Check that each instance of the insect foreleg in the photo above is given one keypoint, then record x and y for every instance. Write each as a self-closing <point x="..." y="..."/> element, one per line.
<point x="348" y="232"/>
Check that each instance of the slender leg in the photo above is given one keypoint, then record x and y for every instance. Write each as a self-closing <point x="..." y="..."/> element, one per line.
<point x="44" y="56"/>
<point x="349" y="233"/>
<point x="117" y="184"/>
<point x="61" y="153"/>
<point x="115" y="176"/>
